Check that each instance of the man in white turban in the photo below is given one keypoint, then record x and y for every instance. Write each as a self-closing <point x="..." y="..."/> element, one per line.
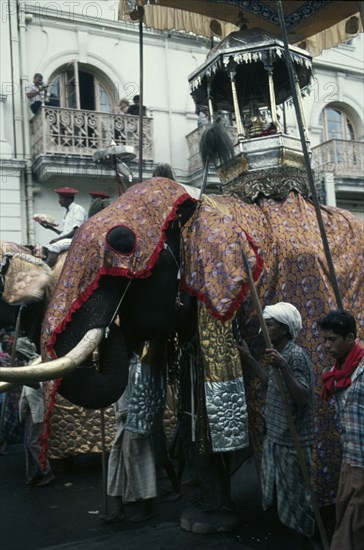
<point x="283" y="484"/>
<point x="287" y="314"/>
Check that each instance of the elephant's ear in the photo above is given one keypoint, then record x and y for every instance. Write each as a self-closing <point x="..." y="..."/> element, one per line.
<point x="212" y="267"/>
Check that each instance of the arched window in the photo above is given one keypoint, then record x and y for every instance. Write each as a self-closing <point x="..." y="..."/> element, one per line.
<point x="336" y="125"/>
<point x="338" y="137"/>
<point x="79" y="87"/>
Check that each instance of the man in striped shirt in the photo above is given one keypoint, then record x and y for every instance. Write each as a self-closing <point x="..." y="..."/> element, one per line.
<point x="283" y="485"/>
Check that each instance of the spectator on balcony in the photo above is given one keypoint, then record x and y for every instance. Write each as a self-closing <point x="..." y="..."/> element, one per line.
<point x="120" y="130"/>
<point x="35" y="91"/>
<point x="74" y="217"/>
<point x="135" y="108"/>
<point x="202" y="115"/>
<point x="123" y="106"/>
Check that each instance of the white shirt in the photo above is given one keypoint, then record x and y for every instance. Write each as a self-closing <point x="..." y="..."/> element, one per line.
<point x="74" y="217"/>
<point x="33" y="88"/>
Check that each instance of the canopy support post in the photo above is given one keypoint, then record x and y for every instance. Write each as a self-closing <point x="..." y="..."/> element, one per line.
<point x="291" y="74"/>
<point x="209" y="100"/>
<point x="232" y="73"/>
<point x="141" y="91"/>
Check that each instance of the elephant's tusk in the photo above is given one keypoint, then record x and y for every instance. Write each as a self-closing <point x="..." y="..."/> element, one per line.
<point x="86" y="346"/>
<point x="38" y="373"/>
<point x="58" y="368"/>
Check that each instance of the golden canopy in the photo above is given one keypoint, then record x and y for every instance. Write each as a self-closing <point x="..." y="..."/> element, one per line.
<point x="319" y="25"/>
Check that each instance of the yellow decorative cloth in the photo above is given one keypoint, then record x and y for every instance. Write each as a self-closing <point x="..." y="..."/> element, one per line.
<point x="224" y="385"/>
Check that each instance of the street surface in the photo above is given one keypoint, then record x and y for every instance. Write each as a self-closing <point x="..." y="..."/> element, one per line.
<point x="65" y="515"/>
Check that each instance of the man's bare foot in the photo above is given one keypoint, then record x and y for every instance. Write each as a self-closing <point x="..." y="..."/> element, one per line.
<point x="115" y="517"/>
<point x="142" y="517"/>
<point x="172" y="497"/>
<point x="4" y="448"/>
<point x="146" y="512"/>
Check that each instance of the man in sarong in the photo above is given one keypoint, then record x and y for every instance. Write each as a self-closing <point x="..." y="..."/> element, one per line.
<point x="282" y="479"/>
<point x="131" y="469"/>
<point x="345" y="384"/>
<point x="31" y="411"/>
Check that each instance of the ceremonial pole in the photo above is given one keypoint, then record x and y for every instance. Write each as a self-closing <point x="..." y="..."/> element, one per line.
<point x="311" y="181"/>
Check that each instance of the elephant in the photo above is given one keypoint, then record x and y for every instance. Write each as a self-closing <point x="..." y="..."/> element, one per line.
<point x="169" y="264"/>
<point x="27" y="283"/>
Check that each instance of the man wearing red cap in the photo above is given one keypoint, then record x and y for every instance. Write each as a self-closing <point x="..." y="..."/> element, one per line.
<point x="99" y="195"/>
<point x="99" y="201"/>
<point x="74" y="217"/>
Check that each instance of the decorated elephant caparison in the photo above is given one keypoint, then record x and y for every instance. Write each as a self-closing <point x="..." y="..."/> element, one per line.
<point x="168" y="263"/>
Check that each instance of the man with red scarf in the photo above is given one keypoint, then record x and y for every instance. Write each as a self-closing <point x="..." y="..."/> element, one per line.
<point x="345" y="383"/>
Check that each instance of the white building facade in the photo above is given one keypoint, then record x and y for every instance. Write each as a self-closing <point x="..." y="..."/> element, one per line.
<point x="90" y="61"/>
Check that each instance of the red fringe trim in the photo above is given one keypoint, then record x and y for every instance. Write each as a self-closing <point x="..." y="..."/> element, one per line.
<point x="117" y="272"/>
<point x="43" y="455"/>
<point x="114" y="271"/>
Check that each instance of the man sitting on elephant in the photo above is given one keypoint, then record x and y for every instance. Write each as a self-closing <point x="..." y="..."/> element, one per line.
<point x="281" y="473"/>
<point x="74" y="217"/>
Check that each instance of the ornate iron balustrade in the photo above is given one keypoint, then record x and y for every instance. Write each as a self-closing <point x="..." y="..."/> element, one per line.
<point x="343" y="158"/>
<point x="56" y="130"/>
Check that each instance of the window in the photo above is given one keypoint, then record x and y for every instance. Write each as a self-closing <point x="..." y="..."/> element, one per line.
<point x="336" y="125"/>
<point x="77" y="87"/>
<point x="338" y="137"/>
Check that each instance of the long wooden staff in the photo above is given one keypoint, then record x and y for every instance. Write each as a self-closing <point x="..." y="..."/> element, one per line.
<point x="96" y="363"/>
<point x="292" y="427"/>
<point x="5" y="387"/>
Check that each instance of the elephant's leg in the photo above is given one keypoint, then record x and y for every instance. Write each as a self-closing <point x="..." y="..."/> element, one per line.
<point x="214" y="482"/>
<point x="212" y="510"/>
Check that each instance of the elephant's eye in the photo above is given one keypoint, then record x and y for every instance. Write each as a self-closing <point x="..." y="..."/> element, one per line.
<point x="121" y="239"/>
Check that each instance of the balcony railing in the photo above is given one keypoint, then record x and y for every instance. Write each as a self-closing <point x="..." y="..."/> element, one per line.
<point x="56" y="130"/>
<point x="341" y="157"/>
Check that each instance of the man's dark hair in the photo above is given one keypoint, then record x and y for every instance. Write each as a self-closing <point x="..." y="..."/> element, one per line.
<point x="136" y="98"/>
<point x="97" y="205"/>
<point x="37" y="74"/>
<point x="163" y="170"/>
<point x="340" y="321"/>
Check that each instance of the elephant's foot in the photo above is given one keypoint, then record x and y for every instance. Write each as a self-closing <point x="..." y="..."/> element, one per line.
<point x="199" y="522"/>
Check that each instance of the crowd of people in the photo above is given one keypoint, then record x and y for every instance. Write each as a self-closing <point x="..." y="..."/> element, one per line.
<point x="133" y="460"/>
<point x="38" y="95"/>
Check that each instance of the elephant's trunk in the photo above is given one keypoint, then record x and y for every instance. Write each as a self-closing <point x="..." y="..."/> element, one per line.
<point x="59" y="367"/>
<point x="95" y="389"/>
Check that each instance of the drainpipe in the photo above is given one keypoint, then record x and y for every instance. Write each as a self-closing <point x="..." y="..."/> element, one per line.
<point x="166" y="51"/>
<point x="24" y="79"/>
